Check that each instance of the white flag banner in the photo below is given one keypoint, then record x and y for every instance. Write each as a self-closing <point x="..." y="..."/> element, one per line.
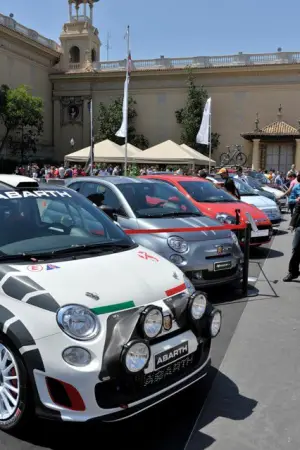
<point x="203" y="136"/>
<point x="122" y="132"/>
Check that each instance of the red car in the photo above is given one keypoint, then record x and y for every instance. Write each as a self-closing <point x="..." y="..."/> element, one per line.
<point x="219" y="204"/>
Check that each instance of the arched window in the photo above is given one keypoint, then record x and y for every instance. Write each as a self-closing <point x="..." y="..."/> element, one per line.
<point x="94" y="55"/>
<point x="74" y="55"/>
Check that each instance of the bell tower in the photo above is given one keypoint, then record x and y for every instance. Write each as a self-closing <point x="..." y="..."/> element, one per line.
<point x="79" y="38"/>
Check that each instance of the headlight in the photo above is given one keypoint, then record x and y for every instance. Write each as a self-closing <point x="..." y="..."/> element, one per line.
<point x="189" y="285"/>
<point x="78" y="322"/>
<point x="135" y="356"/>
<point x="215" y="324"/>
<point x="178" y="244"/>
<point x="225" y="218"/>
<point x="151" y="321"/>
<point x="198" y="306"/>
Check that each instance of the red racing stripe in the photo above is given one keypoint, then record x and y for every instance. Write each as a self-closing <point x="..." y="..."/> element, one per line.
<point x="175" y="290"/>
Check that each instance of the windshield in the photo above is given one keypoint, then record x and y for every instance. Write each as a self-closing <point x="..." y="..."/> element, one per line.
<point x="260" y="177"/>
<point x="49" y="221"/>
<point x="157" y="199"/>
<point x="255" y="184"/>
<point x="205" y="192"/>
<point x="244" y="188"/>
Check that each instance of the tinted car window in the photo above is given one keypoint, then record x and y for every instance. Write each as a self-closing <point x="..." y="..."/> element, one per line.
<point x="206" y="192"/>
<point x="75" y="186"/>
<point x="156" y="200"/>
<point x="48" y="220"/>
<point x="109" y="198"/>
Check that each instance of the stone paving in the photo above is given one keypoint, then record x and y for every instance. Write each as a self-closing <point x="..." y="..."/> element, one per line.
<point x="255" y="399"/>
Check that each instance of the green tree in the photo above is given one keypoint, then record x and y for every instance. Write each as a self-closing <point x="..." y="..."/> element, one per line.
<point x="190" y="117"/>
<point x="20" y="110"/>
<point x="109" y="119"/>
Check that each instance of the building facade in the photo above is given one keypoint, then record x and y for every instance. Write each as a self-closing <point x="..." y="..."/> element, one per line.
<point x="246" y="90"/>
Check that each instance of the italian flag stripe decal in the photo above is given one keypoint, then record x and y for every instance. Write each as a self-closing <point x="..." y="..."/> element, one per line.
<point x="112" y="308"/>
<point x="176" y="290"/>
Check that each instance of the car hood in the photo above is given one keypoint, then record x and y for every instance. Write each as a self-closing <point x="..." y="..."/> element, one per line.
<point x="276" y="192"/>
<point x="229" y="208"/>
<point x="134" y="277"/>
<point x="259" y="201"/>
<point x="185" y="222"/>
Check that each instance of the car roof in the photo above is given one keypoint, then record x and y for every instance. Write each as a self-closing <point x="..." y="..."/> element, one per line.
<point x="16" y="182"/>
<point x="113" y="180"/>
<point x="176" y="177"/>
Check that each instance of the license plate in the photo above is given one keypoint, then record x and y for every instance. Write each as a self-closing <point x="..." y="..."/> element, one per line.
<point x="168" y="372"/>
<point x="259" y="233"/>
<point x="224" y="265"/>
<point x="172" y="354"/>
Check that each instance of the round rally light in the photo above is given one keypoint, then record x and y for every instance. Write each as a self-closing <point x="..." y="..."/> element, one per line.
<point x="198" y="306"/>
<point x="136" y="356"/>
<point x="215" y="324"/>
<point x="152" y="322"/>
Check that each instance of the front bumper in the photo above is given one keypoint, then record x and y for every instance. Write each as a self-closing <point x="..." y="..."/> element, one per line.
<point x="81" y="394"/>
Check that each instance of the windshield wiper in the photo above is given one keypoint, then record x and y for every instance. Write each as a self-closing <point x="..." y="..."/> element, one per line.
<point x="99" y="248"/>
<point x="82" y="248"/>
<point x="18" y="257"/>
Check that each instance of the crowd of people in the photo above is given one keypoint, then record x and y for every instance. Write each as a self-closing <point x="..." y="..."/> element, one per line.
<point x="291" y="180"/>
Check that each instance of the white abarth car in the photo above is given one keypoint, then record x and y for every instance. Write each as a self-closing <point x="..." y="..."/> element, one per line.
<point x="92" y="325"/>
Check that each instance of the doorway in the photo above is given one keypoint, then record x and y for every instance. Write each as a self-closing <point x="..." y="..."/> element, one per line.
<point x="280" y="157"/>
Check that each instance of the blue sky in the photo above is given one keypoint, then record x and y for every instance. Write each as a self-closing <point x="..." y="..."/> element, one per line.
<point x="175" y="28"/>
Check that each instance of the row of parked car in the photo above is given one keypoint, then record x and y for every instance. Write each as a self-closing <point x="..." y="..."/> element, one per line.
<point x="161" y="201"/>
<point x="93" y="324"/>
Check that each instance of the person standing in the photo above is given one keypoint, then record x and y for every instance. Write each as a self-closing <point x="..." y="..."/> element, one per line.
<point x="229" y="183"/>
<point x="289" y="193"/>
<point x="293" y="271"/>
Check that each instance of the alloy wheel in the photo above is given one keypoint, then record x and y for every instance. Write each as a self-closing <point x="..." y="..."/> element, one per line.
<point x="9" y="383"/>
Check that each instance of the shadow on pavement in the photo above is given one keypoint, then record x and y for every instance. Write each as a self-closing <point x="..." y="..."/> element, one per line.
<point x="263" y="253"/>
<point x="224" y="401"/>
<point x="164" y="426"/>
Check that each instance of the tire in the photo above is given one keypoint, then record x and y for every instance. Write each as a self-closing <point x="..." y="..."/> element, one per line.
<point x="241" y="159"/>
<point x="224" y="159"/>
<point x="22" y="409"/>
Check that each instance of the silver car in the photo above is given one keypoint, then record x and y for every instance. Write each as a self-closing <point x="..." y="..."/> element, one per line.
<point x="207" y="257"/>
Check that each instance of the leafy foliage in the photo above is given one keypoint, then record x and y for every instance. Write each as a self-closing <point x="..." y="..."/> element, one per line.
<point x="19" y="109"/>
<point x="109" y="120"/>
<point x="190" y="117"/>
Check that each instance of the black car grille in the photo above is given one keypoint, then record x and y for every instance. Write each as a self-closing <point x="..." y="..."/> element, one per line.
<point x="209" y="275"/>
<point x="131" y="388"/>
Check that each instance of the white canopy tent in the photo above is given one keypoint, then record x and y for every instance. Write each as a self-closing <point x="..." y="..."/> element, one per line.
<point x="132" y="148"/>
<point x="169" y="152"/>
<point x="105" y="151"/>
<point x="204" y="159"/>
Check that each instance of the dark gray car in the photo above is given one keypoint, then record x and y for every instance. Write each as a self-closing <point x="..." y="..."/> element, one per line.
<point x="207" y="257"/>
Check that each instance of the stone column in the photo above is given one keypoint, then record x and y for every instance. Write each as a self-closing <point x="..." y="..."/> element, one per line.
<point x="84" y="10"/>
<point x="91" y="12"/>
<point x="70" y="10"/>
<point x="255" y="155"/>
<point x="297" y="155"/>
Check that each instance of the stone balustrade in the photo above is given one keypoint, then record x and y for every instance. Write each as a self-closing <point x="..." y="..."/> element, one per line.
<point x="31" y="34"/>
<point x="203" y="61"/>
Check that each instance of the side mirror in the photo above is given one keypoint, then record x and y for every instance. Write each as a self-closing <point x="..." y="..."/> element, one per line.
<point x="111" y="212"/>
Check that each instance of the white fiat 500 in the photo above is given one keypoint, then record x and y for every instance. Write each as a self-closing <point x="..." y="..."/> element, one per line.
<point x="91" y="324"/>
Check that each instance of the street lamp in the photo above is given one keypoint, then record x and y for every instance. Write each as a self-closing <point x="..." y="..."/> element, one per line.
<point x="72" y="143"/>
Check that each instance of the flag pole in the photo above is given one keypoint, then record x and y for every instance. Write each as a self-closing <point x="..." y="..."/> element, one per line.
<point x="92" y="139"/>
<point x="126" y="102"/>
<point x="210" y="146"/>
